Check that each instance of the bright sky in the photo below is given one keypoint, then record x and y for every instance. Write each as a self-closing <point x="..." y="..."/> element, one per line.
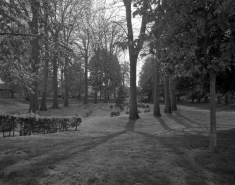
<point x="117" y="6"/>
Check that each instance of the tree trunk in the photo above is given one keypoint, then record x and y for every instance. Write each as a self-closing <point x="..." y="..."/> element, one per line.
<point x="86" y="80"/>
<point x="55" y="104"/>
<point x="178" y="97"/>
<point x="66" y="98"/>
<point x="226" y="99"/>
<point x="80" y="84"/>
<point x="192" y="92"/>
<point x="43" y="106"/>
<point x="152" y="95"/>
<point x="96" y="81"/>
<point x="62" y="82"/>
<point x="213" y="142"/>
<point x="114" y="93"/>
<point x="123" y="80"/>
<point x="219" y="99"/>
<point x="100" y="91"/>
<point x="133" y="114"/>
<point x="173" y="99"/>
<point x="34" y="106"/>
<point x="156" y="111"/>
<point x="133" y="55"/>
<point x="167" y="95"/>
<point x="105" y="93"/>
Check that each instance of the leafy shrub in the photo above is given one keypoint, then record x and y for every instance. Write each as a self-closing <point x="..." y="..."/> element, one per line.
<point x="120" y="98"/>
<point x="34" y="125"/>
<point x="115" y="112"/>
<point x="147" y="110"/>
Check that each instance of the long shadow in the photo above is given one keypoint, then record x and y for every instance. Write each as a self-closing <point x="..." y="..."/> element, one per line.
<point x="181" y="159"/>
<point x="184" y="117"/>
<point x="163" y="124"/>
<point x="186" y="125"/>
<point x="130" y="126"/>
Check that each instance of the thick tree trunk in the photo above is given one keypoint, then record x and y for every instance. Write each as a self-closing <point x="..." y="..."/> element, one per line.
<point x="66" y="98"/>
<point x="43" y="106"/>
<point x="86" y="80"/>
<point x="133" y="113"/>
<point x="213" y="142"/>
<point x="172" y="92"/>
<point x="34" y="106"/>
<point x="133" y="55"/>
<point x="156" y="111"/>
<point x="55" y="104"/>
<point x="152" y="95"/>
<point x="167" y="95"/>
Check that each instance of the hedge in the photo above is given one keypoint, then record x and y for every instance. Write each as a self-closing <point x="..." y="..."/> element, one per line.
<point x="27" y="124"/>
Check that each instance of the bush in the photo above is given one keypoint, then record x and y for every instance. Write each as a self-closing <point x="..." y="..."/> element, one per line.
<point x="34" y="125"/>
<point x="120" y="98"/>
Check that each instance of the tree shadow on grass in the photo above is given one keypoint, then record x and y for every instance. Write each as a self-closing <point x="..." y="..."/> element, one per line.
<point x="177" y="113"/>
<point x="163" y="124"/>
<point x="200" y="164"/>
<point x="30" y="174"/>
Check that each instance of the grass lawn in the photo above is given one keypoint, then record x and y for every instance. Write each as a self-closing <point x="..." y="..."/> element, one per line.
<point x="108" y="150"/>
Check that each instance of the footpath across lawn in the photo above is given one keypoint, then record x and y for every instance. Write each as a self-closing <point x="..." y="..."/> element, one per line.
<point x="108" y="150"/>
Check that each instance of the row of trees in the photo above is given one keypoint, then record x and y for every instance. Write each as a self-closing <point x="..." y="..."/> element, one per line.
<point x="59" y="45"/>
<point x="186" y="37"/>
<point x="192" y="86"/>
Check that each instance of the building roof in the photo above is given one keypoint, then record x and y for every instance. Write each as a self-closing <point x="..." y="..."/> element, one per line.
<point x="4" y="86"/>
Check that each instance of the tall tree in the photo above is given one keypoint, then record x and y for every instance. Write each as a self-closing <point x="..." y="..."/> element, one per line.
<point x="134" y="49"/>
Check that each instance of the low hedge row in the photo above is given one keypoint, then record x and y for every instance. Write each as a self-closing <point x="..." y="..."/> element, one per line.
<point x="27" y="124"/>
<point x="142" y="106"/>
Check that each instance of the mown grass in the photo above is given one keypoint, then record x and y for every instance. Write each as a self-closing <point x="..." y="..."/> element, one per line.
<point x="173" y="149"/>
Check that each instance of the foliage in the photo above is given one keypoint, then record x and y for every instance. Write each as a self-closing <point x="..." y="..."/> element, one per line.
<point x="120" y="98"/>
<point x="34" y="125"/>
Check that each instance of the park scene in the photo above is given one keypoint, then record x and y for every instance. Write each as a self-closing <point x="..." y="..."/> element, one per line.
<point x="117" y="92"/>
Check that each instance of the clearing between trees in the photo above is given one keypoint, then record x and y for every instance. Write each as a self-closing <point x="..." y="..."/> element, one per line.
<point x="173" y="149"/>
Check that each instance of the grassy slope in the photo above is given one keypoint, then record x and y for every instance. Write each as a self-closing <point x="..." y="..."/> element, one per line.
<point x="172" y="149"/>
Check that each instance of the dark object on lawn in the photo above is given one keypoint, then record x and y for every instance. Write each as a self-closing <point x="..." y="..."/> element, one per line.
<point x="147" y="110"/>
<point x="87" y="113"/>
<point x="143" y="106"/>
<point x="111" y="106"/>
<point x="120" y="98"/>
<point x="114" y="114"/>
<point x="146" y="106"/>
